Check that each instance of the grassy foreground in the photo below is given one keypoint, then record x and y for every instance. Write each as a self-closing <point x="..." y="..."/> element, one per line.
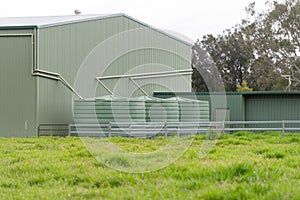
<point x="240" y="166"/>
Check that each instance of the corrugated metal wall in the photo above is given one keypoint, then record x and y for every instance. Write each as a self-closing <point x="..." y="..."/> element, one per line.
<point x="62" y="49"/>
<point x="232" y="102"/>
<point x="17" y="86"/>
<point x="272" y="107"/>
<point x="146" y="61"/>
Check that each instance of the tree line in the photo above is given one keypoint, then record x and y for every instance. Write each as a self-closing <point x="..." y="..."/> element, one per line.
<point x="262" y="52"/>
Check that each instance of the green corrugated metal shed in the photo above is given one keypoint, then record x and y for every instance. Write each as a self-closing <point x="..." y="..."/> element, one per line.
<point x="34" y="51"/>
<point x="272" y="106"/>
<point x="249" y="106"/>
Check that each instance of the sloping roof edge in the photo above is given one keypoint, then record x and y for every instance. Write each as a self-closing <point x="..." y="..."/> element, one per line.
<point x="93" y="18"/>
<point x="158" y="30"/>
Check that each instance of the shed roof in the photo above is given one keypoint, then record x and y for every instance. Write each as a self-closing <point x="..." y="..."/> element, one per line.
<point x="46" y="21"/>
<point x="49" y="21"/>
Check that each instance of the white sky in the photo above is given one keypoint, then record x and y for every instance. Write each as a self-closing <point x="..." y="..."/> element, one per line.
<point x="193" y="18"/>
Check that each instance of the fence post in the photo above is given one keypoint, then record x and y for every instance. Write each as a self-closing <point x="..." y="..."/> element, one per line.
<point x="166" y="130"/>
<point x="109" y="130"/>
<point x="69" y="130"/>
<point x="283" y="128"/>
<point x="223" y="127"/>
<point x="39" y="131"/>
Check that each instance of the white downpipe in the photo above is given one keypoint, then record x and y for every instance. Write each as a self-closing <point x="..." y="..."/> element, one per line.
<point x="35" y="70"/>
<point x="105" y="87"/>
<point x="133" y="77"/>
<point x="146" y="74"/>
<point x="45" y="76"/>
<point x="56" y="76"/>
<point x="161" y="75"/>
<point x="46" y="72"/>
<point x="69" y="86"/>
<point x="139" y="87"/>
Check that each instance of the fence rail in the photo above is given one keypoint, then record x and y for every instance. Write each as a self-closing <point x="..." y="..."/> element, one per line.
<point x="152" y="129"/>
<point x="53" y="130"/>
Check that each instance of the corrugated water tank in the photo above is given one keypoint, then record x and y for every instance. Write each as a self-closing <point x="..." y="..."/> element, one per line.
<point x="160" y="110"/>
<point x="85" y="112"/>
<point x="141" y="109"/>
<point x="192" y="110"/>
<point x="109" y="109"/>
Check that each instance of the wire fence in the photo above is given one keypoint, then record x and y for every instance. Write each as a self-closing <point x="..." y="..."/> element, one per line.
<point x="153" y="129"/>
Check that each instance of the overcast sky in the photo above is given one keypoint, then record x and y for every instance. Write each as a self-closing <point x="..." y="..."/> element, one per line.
<point x="192" y="18"/>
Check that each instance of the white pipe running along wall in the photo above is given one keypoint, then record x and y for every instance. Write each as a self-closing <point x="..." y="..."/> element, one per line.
<point x="169" y="73"/>
<point x="35" y="70"/>
<point x="55" y="76"/>
<point x="133" y="77"/>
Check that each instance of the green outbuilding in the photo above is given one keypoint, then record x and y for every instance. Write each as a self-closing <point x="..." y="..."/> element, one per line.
<point x="247" y="106"/>
<point x="47" y="62"/>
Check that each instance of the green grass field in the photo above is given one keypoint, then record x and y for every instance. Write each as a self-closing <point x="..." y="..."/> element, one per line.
<point x="240" y="166"/>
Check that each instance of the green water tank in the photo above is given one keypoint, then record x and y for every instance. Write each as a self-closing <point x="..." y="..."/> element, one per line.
<point x="192" y="110"/>
<point x="128" y="110"/>
<point x="160" y="110"/>
<point x="109" y="109"/>
<point x="84" y="112"/>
